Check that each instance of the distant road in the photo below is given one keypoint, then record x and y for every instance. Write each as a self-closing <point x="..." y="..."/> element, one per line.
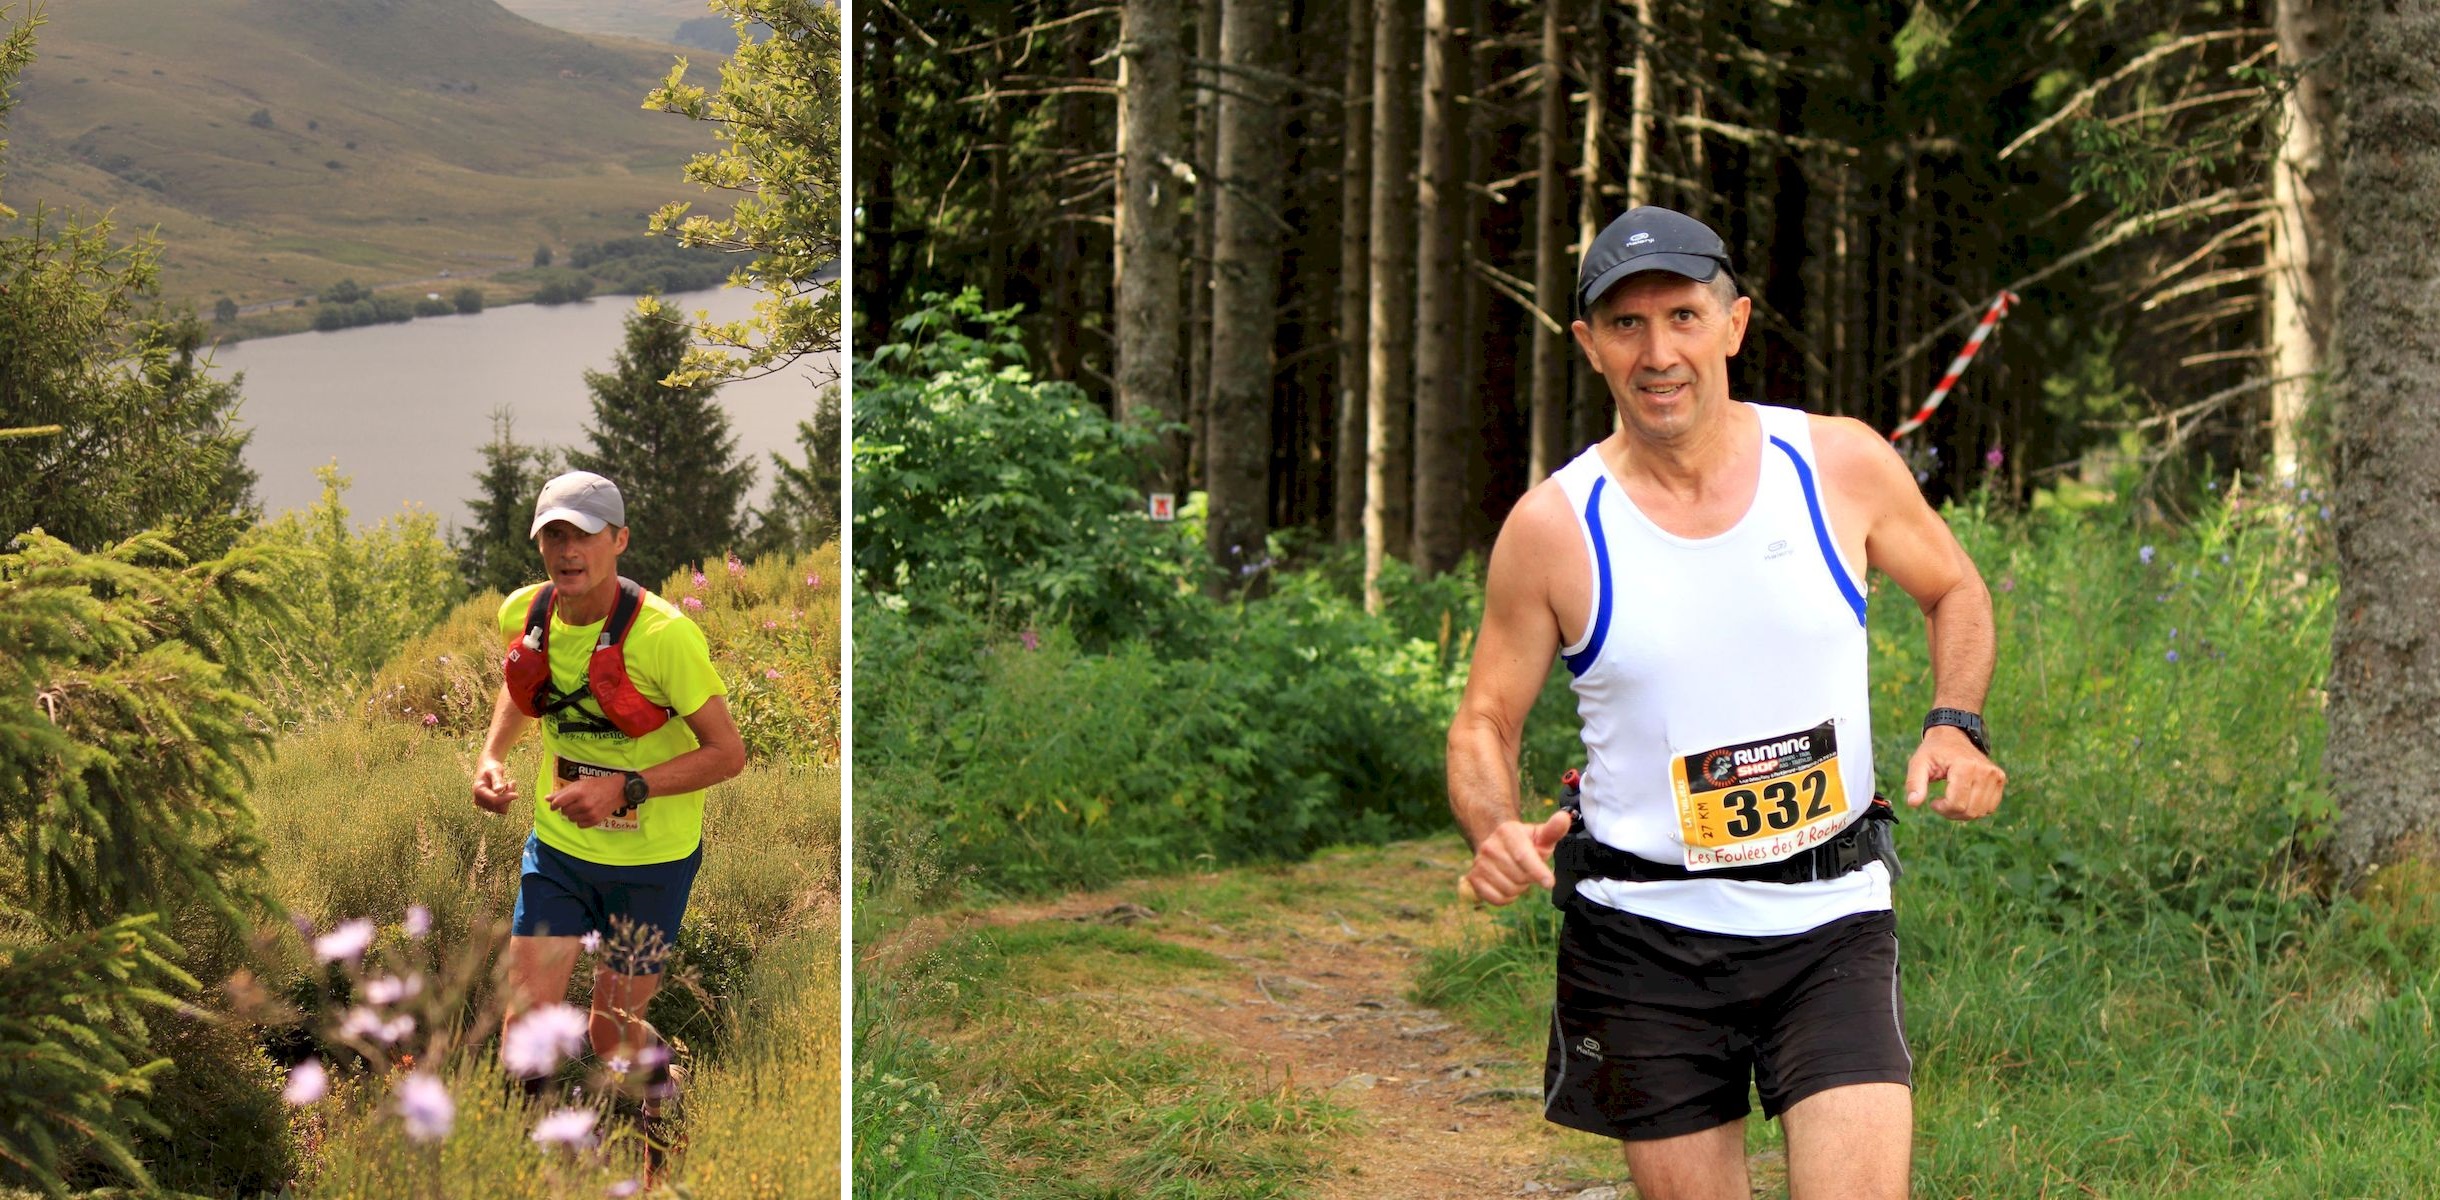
<point x="452" y="278"/>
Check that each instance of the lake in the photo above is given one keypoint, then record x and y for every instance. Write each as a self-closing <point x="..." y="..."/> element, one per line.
<point x="406" y="409"/>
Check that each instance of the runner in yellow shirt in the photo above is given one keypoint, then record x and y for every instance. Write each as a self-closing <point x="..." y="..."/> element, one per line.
<point x="635" y="724"/>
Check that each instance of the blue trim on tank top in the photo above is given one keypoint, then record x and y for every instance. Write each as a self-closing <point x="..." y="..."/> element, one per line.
<point x="1582" y="660"/>
<point x="1821" y="530"/>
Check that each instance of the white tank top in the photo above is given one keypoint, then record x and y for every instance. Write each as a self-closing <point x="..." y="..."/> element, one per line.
<point x="1725" y="698"/>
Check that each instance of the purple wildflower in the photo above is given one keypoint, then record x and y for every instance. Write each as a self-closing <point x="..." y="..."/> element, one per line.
<point x="693" y="604"/>
<point x="1993" y="457"/>
<point x="1032" y="640"/>
<point x="432" y="720"/>
<point x="537" y="1040"/>
<point x="390" y="989"/>
<point x="2173" y="656"/>
<point x="308" y="1082"/>
<point x="2145" y="555"/>
<point x="699" y="580"/>
<point x="771" y="672"/>
<point x="570" y="1127"/>
<point x="419" y="921"/>
<point x="424" y="1105"/>
<point x="347" y="942"/>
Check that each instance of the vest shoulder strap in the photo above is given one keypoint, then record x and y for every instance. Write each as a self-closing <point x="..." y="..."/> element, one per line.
<point x="623" y="612"/>
<point x="538" y="617"/>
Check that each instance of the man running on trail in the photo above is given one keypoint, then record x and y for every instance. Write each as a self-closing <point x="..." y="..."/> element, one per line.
<point x="1727" y="889"/>
<point x="618" y="823"/>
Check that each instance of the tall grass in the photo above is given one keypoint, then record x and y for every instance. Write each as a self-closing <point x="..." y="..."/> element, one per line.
<point x="369" y="815"/>
<point x="2126" y="983"/>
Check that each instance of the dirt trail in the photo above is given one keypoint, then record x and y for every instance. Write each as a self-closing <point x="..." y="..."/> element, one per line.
<point x="1318" y="996"/>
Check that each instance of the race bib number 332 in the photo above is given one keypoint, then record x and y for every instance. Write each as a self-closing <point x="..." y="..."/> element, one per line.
<point x="1759" y="801"/>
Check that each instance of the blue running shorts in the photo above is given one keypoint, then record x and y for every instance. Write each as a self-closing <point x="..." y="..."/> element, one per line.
<point x="635" y="909"/>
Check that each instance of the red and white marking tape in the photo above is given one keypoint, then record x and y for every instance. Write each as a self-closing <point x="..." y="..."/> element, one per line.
<point x="1957" y="366"/>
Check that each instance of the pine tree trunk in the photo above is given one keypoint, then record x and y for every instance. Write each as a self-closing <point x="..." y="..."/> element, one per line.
<point x="1151" y="62"/>
<point x="1639" y="112"/>
<point x="1207" y="206"/>
<point x="1355" y="276"/>
<point x="1389" y="436"/>
<point x="2302" y="261"/>
<point x="1245" y="292"/>
<point x="2384" y="705"/>
<point x="1443" y="406"/>
<point x="1595" y="412"/>
<point x="1548" y="440"/>
<point x="877" y="210"/>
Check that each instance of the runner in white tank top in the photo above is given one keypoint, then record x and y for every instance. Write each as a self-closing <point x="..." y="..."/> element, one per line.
<point x="1701" y="572"/>
<point x="1752" y="634"/>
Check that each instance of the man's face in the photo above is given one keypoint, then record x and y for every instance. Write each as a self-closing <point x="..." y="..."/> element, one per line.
<point x="1662" y="342"/>
<point x="579" y="561"/>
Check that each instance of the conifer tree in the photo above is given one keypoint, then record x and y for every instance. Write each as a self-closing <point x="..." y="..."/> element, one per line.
<point x="803" y="511"/>
<point x="123" y="744"/>
<point x="670" y="451"/>
<point x="493" y="550"/>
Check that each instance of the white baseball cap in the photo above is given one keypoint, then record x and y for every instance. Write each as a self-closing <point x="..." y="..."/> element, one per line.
<point x="580" y="498"/>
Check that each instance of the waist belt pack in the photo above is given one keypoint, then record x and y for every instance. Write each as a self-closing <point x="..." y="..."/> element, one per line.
<point x="528" y="667"/>
<point x="1578" y="857"/>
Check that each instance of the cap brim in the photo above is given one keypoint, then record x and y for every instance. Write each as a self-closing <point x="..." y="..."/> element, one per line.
<point x="585" y="521"/>
<point x="1698" y="267"/>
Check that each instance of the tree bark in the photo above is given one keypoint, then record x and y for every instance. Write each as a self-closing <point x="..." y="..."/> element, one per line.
<point x="1389" y="431"/>
<point x="2303" y="194"/>
<point x="1548" y="447"/>
<point x="1207" y="207"/>
<point x="1151" y="63"/>
<point x="2384" y="683"/>
<point x="1245" y="293"/>
<point x="1595" y="413"/>
<point x="1443" y="404"/>
<point x="1639" y="112"/>
<point x="1355" y="276"/>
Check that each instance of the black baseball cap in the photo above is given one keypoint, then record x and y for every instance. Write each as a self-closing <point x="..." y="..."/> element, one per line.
<point x="1648" y="239"/>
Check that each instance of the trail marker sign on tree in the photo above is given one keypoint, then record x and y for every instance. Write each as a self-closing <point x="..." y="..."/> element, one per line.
<point x="1164" y="506"/>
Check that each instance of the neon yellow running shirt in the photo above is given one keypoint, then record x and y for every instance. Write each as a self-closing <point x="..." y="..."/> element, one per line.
<point x="671" y="664"/>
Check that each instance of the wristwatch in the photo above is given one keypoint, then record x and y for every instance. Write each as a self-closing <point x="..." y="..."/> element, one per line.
<point x="637" y="791"/>
<point x="1971" y="724"/>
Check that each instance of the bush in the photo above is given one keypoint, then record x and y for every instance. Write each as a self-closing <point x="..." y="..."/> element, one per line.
<point x="468" y="299"/>
<point x="358" y="595"/>
<point x="983" y="489"/>
<point x="433" y="306"/>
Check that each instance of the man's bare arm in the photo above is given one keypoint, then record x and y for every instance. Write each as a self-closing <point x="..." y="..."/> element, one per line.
<point x="1907" y="541"/>
<point x="494" y="791"/>
<point x="718" y="756"/>
<point x="1512" y="657"/>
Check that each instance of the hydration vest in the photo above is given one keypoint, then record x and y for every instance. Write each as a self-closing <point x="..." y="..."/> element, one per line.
<point x="528" y="667"/>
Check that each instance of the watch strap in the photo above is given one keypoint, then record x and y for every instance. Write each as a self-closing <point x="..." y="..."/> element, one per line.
<point x="1968" y="723"/>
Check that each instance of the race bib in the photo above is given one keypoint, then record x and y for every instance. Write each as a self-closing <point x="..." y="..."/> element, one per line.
<point x="625" y="820"/>
<point x="1759" y="801"/>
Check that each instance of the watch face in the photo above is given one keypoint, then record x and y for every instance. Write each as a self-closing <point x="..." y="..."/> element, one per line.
<point x="637" y="789"/>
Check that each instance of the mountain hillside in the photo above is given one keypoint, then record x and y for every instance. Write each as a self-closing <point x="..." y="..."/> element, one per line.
<point x="281" y="145"/>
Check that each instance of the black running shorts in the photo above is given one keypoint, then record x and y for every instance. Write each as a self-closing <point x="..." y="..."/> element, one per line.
<point x="1659" y="1029"/>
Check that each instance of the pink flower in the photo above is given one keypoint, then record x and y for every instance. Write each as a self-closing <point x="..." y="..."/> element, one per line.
<point x="1992" y="458"/>
<point x="419" y="921"/>
<point x="698" y="579"/>
<point x="771" y="672"/>
<point x="425" y="1107"/>
<point x="814" y="582"/>
<point x="770" y="624"/>
<point x="591" y="941"/>
<point x="624" y="1188"/>
<point x="570" y="1127"/>
<point x="1032" y="640"/>
<point x="432" y="720"/>
<point x="537" y="1040"/>
<point x="308" y="1082"/>
<point x="736" y="566"/>
<point x="386" y="990"/>
<point x="692" y="603"/>
<point x="347" y="942"/>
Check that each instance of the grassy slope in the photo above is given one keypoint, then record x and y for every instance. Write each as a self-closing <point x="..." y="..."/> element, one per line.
<point x="653" y="19"/>
<point x="477" y="134"/>
<point x="366" y="816"/>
